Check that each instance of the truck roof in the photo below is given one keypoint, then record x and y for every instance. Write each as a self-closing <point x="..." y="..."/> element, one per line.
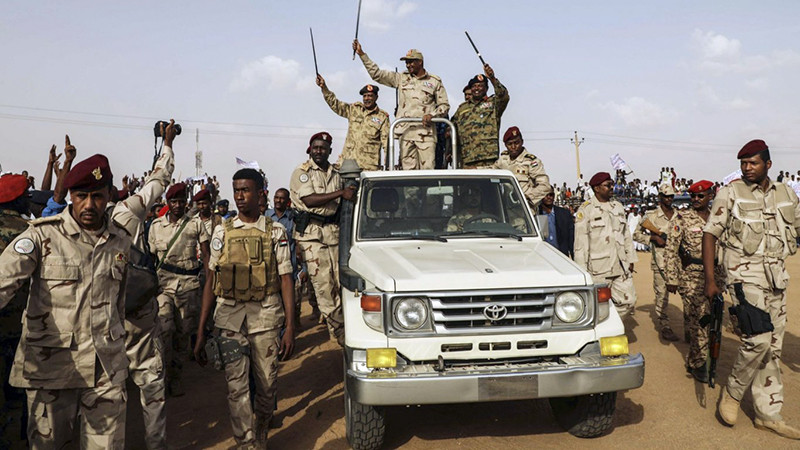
<point x="437" y="173"/>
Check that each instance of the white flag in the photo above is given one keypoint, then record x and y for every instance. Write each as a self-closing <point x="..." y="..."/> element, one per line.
<point x="247" y="164"/>
<point x="733" y="176"/>
<point x="617" y="162"/>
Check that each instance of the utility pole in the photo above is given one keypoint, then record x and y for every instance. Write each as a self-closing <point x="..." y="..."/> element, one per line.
<point x="198" y="155"/>
<point x="577" y="143"/>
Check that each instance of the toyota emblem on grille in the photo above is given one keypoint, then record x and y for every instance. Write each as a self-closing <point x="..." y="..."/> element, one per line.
<point x="495" y="312"/>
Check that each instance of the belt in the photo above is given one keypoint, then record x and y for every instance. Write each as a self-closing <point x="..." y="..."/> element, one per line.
<point x="180" y="271"/>
<point x="321" y="223"/>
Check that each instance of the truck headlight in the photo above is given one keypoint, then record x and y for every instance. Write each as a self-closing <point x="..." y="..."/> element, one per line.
<point x="411" y="313"/>
<point x="569" y="307"/>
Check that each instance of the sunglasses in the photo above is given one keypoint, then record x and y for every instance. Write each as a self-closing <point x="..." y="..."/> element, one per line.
<point x="700" y="196"/>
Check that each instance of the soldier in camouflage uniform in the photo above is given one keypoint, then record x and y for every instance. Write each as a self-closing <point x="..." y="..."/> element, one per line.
<point x="683" y="264"/>
<point x="477" y="121"/>
<point x="71" y="358"/>
<point x="367" y="126"/>
<point x="660" y="218"/>
<point x="603" y="244"/>
<point x="756" y="221"/>
<point x="250" y="312"/>
<point x="470" y="212"/>
<point x="527" y="168"/>
<point x="13" y="203"/>
<point x="421" y="95"/>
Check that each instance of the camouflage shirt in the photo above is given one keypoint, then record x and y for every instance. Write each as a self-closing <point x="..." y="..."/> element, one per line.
<point x="686" y="230"/>
<point x="529" y="171"/>
<point x="12" y="225"/>
<point x="478" y="126"/>
<point x="367" y="131"/>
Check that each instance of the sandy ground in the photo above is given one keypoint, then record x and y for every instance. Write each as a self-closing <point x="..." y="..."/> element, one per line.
<point x="669" y="411"/>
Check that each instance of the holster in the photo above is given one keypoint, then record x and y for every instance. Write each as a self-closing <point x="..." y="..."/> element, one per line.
<point x="301" y="220"/>
<point x="222" y="351"/>
<point x="752" y="320"/>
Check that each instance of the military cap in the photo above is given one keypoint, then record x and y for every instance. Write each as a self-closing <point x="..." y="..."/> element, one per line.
<point x="701" y="186"/>
<point x="202" y="194"/>
<point x="413" y="54"/>
<point x="752" y="148"/>
<point x="12" y="187"/>
<point x="322" y="135"/>
<point x="666" y="189"/>
<point x="599" y="178"/>
<point x="511" y="133"/>
<point x="478" y="79"/>
<point x="369" y="88"/>
<point x="90" y="174"/>
<point x="223" y="202"/>
<point x="176" y="190"/>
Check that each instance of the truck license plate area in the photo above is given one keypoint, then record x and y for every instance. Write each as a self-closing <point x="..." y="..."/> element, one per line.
<point x="508" y="388"/>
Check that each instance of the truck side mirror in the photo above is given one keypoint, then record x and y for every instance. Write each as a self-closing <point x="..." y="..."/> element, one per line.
<point x="544" y="228"/>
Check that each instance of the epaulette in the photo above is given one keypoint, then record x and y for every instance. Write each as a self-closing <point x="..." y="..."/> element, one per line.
<point x="504" y="152"/>
<point x="305" y="166"/>
<point x="380" y="111"/>
<point x="227" y="224"/>
<point x="585" y="203"/>
<point x="435" y="77"/>
<point x="529" y="156"/>
<point x="43" y="220"/>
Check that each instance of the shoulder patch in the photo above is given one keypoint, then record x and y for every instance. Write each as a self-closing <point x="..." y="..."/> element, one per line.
<point x="24" y="246"/>
<point x="303" y="177"/>
<point x="579" y="216"/>
<point x="43" y="220"/>
<point x="216" y="244"/>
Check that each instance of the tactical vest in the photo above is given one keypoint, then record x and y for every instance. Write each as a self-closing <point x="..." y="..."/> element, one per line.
<point x="247" y="269"/>
<point x="747" y="231"/>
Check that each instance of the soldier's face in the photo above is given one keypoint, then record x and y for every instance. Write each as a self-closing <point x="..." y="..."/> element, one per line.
<point x="467" y="95"/>
<point x="754" y="169"/>
<point x="204" y="206"/>
<point x="666" y="200"/>
<point x="514" y="146"/>
<point x="320" y="151"/>
<point x="414" y="66"/>
<point x="604" y="190"/>
<point x="370" y="99"/>
<point x="223" y="209"/>
<point x="700" y="200"/>
<point x="177" y="206"/>
<point x="479" y="90"/>
<point x="88" y="207"/>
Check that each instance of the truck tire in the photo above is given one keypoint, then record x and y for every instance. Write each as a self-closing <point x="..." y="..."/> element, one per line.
<point x="585" y="416"/>
<point x="365" y="424"/>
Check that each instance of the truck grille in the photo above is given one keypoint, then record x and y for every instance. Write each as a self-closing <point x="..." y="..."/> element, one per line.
<point x="492" y="313"/>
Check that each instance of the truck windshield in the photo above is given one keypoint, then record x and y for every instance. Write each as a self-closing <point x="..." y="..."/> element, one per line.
<point x="453" y="207"/>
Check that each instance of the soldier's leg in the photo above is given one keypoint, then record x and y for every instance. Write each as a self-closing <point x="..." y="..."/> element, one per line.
<point x="409" y="155"/>
<point x="53" y="413"/>
<point x="320" y="268"/>
<point x="102" y="410"/>
<point x="426" y="151"/>
<point x="237" y="377"/>
<point x="623" y="295"/>
<point x="166" y="319"/>
<point x="697" y="306"/>
<point x="264" y="347"/>
<point x="662" y="296"/>
<point x="185" y="318"/>
<point x="767" y="387"/>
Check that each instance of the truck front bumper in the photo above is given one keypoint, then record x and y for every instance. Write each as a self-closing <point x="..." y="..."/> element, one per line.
<point x="422" y="384"/>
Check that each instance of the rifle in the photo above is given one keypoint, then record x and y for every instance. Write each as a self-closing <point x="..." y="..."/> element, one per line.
<point x="714" y="323"/>
<point x="475" y="48"/>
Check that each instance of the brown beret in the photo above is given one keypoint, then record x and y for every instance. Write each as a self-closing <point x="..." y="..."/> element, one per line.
<point x="369" y="88"/>
<point x="322" y="135"/>
<point x="701" y="186"/>
<point x="12" y="187"/>
<point x="478" y="79"/>
<point x="202" y="194"/>
<point x="752" y="148"/>
<point x="176" y="190"/>
<point x="511" y="133"/>
<point x="90" y="174"/>
<point x="599" y="178"/>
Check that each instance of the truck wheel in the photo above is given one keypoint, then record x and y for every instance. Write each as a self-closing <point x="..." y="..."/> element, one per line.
<point x="585" y="416"/>
<point x="366" y="425"/>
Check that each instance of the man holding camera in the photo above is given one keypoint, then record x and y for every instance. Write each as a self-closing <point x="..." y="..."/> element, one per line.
<point x="756" y="221"/>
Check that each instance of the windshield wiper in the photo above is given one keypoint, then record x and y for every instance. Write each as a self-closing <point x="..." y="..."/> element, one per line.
<point x="482" y="233"/>
<point x="418" y="237"/>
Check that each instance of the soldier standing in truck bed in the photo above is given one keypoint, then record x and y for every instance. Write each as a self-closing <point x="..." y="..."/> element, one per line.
<point x="526" y="167"/>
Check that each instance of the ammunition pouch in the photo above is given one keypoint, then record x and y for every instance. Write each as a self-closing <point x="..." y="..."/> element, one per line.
<point x="141" y="282"/>
<point x="222" y="351"/>
<point x="241" y="282"/>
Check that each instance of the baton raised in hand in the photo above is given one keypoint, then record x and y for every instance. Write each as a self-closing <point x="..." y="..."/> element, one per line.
<point x="314" y="50"/>
<point x="475" y="48"/>
<point x="358" y="20"/>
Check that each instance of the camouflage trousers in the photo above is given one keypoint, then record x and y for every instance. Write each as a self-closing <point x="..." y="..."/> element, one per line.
<point x="419" y="153"/>
<point x="250" y="421"/>
<point x="623" y="294"/>
<point x="695" y="306"/>
<point x="178" y="314"/>
<point x="660" y="288"/>
<point x="323" y="269"/>
<point x="54" y="413"/>
<point x="144" y="349"/>
<point x="757" y="364"/>
<point x="303" y="291"/>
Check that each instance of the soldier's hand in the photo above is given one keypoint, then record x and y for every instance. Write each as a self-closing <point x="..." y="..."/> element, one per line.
<point x="200" y="349"/>
<point x="630" y="268"/>
<point x="53" y="157"/>
<point x="349" y="192"/>
<point x="671" y="288"/>
<point x="427" y="120"/>
<point x="357" y="47"/>
<point x="287" y="344"/>
<point x="169" y="132"/>
<point x="488" y="71"/>
<point x="658" y="240"/>
<point x="320" y="81"/>
<point x="69" y="150"/>
<point x="711" y="289"/>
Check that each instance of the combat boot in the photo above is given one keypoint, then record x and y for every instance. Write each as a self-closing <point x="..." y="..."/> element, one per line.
<point x="668" y="335"/>
<point x="778" y="427"/>
<point x="728" y="407"/>
<point x="700" y="374"/>
<point x="262" y="431"/>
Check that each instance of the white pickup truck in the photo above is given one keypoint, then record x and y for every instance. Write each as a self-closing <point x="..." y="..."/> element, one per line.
<point x="450" y="295"/>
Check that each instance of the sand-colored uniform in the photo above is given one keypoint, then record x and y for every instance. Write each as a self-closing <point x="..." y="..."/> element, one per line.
<point x="71" y="357"/>
<point x="603" y="246"/>
<point x="478" y="127"/>
<point x="367" y="131"/>
<point x="757" y="230"/>
<point x="319" y="243"/>
<point x="255" y="324"/>
<point x="416" y="98"/>
<point x="686" y="272"/>
<point x="529" y="171"/>
<point x="658" y="263"/>
<point x="180" y="292"/>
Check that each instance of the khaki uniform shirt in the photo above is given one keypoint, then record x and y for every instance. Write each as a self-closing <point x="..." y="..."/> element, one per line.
<point x="757" y="231"/>
<point x="12" y="225"/>
<point x="183" y="253"/>
<point x="603" y="245"/>
<point x="211" y="223"/>
<point x="260" y="316"/>
<point x="416" y="98"/>
<point x="478" y="126"/>
<point x="308" y="178"/>
<point x="77" y="296"/>
<point x="367" y="131"/>
<point x="529" y="171"/>
<point x="658" y="218"/>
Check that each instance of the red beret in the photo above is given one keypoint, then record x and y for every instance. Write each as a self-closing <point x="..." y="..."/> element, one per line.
<point x="178" y="189"/>
<point x="322" y="135"/>
<point x="752" y="148"/>
<point x="90" y="174"/>
<point x="12" y="187"/>
<point x="511" y="133"/>
<point x="701" y="186"/>
<point x="369" y="88"/>
<point x="599" y="178"/>
<point x="202" y="194"/>
<point x="122" y="195"/>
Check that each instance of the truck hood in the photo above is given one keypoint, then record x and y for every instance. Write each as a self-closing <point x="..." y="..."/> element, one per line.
<point x="464" y="264"/>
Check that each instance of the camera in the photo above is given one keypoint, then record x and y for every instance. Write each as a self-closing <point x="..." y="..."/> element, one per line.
<point x="157" y="128"/>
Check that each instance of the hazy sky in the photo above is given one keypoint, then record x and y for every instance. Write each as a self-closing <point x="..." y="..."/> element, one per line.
<point x="677" y="83"/>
